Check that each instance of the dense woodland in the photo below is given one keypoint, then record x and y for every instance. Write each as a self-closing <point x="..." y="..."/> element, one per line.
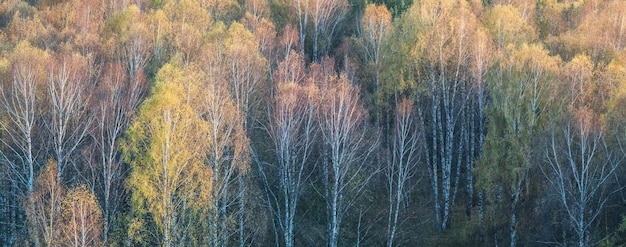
<point x="312" y="123"/>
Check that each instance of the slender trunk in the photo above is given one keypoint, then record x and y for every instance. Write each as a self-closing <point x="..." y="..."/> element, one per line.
<point x="222" y="215"/>
<point x="213" y="230"/>
<point x="328" y="194"/>
<point x="106" y="212"/>
<point x="470" y="145"/>
<point x="60" y="162"/>
<point x="390" y="179"/>
<point x="396" y="205"/>
<point x="303" y="19"/>
<point x="105" y="231"/>
<point x="459" y="160"/>
<point x="358" y="230"/>
<point x="30" y="183"/>
<point x="31" y="205"/>
<point x="334" y="204"/>
<point x="513" y="226"/>
<point x="389" y="225"/>
<point x="481" y="206"/>
<point x="214" y="216"/>
<point x="290" y="210"/>
<point x="581" y="226"/>
<point x="242" y="206"/>
<point x="435" y="169"/>
<point x="315" y="44"/>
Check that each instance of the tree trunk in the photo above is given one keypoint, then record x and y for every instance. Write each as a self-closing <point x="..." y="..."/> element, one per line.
<point x="242" y="206"/>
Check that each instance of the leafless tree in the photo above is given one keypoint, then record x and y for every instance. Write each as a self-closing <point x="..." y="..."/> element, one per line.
<point x="293" y="132"/>
<point x="67" y="119"/>
<point x="302" y="11"/>
<point x="403" y="164"/>
<point x="118" y="100"/>
<point x="346" y="144"/>
<point x="19" y="102"/>
<point x="326" y="16"/>
<point x="580" y="167"/>
<point x="227" y="156"/>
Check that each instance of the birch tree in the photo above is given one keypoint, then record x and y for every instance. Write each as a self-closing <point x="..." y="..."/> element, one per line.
<point x="521" y="107"/>
<point x="246" y="67"/>
<point x="403" y="166"/>
<point x="374" y="26"/>
<point x="118" y="100"/>
<point x="579" y="169"/>
<point x="326" y="16"/>
<point x="169" y="180"/>
<point x="47" y="196"/>
<point x="80" y="219"/>
<point x="293" y="132"/>
<point x="135" y="41"/>
<point x="345" y="145"/>
<point x="579" y="163"/>
<point x="302" y="11"/>
<point x="227" y="156"/>
<point x="68" y="122"/>
<point x="234" y="78"/>
<point x="440" y="69"/>
<point x="20" y="147"/>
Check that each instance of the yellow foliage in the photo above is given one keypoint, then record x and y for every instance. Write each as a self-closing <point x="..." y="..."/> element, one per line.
<point x="167" y="141"/>
<point x="375" y="25"/>
<point x="508" y="25"/>
<point x="46" y="198"/>
<point x="81" y="218"/>
<point x="26" y="28"/>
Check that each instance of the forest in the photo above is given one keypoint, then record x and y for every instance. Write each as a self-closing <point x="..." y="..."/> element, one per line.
<point x="312" y="123"/>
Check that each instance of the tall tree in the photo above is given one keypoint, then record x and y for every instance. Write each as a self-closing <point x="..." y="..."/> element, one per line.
<point x="166" y="149"/>
<point x="579" y="163"/>
<point x="439" y="70"/>
<point x="227" y="154"/>
<point x="20" y="103"/>
<point x="326" y="16"/>
<point x="246" y="68"/>
<point x="191" y="18"/>
<point x="580" y="168"/>
<point x="403" y="164"/>
<point x="118" y="99"/>
<point x="135" y="43"/>
<point x="520" y="109"/>
<point x="375" y="24"/>
<point x="293" y="132"/>
<point x="67" y="120"/>
<point x="509" y="25"/>
<point x="302" y="10"/>
<point x="233" y="77"/>
<point x="345" y="144"/>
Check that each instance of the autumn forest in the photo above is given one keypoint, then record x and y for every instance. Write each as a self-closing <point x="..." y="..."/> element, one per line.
<point x="312" y="123"/>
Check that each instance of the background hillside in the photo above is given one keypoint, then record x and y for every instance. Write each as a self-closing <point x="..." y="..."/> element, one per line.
<point x="312" y="123"/>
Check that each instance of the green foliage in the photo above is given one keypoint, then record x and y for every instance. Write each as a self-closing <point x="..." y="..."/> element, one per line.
<point x="520" y="91"/>
<point x="397" y="7"/>
<point x="156" y="4"/>
<point x="618" y="238"/>
<point x="279" y="12"/>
